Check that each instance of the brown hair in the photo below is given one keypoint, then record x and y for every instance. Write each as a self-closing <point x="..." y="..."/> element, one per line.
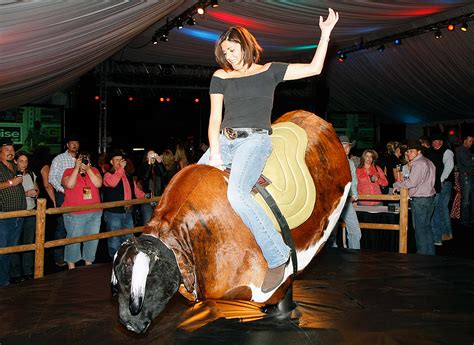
<point x="18" y="154"/>
<point x="180" y="157"/>
<point x="375" y="156"/>
<point x="168" y="160"/>
<point x="392" y="147"/>
<point x="251" y="50"/>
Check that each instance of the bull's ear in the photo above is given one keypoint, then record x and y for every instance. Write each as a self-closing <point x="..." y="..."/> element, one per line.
<point x="141" y="267"/>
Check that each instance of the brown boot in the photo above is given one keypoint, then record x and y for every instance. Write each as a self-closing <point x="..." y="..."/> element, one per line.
<point x="273" y="278"/>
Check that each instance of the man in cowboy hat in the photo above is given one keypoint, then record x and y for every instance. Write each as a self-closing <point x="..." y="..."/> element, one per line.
<point x="420" y="184"/>
<point x="12" y="198"/>
<point x="349" y="215"/>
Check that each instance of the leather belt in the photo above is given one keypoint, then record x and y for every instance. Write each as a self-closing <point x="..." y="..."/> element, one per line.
<point x="235" y="133"/>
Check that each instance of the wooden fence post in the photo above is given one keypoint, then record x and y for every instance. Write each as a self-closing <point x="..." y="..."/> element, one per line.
<point x="40" y="236"/>
<point x="403" y="239"/>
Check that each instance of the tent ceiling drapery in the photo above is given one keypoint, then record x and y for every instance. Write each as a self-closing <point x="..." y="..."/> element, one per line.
<point x="44" y="45"/>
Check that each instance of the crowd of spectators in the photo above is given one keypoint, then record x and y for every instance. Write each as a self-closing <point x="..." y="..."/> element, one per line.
<point x="74" y="178"/>
<point x="431" y="170"/>
<point x="440" y="180"/>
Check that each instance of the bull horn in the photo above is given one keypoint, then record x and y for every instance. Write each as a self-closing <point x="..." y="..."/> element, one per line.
<point x="113" y="280"/>
<point x="141" y="267"/>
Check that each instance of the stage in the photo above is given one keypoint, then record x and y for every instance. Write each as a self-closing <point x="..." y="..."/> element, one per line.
<point x="343" y="297"/>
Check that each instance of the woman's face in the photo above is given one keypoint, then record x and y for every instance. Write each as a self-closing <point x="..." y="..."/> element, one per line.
<point x="22" y="163"/>
<point x="368" y="158"/>
<point x="233" y="54"/>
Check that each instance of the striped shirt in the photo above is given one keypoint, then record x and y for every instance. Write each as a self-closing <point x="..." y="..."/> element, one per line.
<point x="60" y="163"/>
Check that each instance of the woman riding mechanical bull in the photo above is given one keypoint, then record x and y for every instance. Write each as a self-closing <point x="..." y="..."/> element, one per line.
<point x="208" y="234"/>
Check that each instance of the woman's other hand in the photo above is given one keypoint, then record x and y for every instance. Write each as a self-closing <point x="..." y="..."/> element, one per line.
<point x="216" y="161"/>
<point x="328" y="24"/>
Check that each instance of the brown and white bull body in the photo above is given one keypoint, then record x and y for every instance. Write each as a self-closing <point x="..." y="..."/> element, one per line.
<point x="208" y="248"/>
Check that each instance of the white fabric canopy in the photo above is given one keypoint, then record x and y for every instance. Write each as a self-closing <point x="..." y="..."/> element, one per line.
<point x="44" y="45"/>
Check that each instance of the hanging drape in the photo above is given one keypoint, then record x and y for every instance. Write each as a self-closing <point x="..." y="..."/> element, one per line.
<point x="45" y="45"/>
<point x="424" y="79"/>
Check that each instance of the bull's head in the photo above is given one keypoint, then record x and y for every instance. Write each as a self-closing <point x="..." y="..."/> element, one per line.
<point x="145" y="276"/>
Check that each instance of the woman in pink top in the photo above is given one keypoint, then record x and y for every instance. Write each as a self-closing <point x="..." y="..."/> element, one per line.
<point x="370" y="177"/>
<point x="81" y="187"/>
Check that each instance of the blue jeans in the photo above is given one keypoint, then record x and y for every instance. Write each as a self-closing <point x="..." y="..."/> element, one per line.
<point x="421" y="213"/>
<point x="467" y="196"/>
<point x="10" y="231"/>
<point x="146" y="211"/>
<point x="118" y="221"/>
<point x="247" y="157"/>
<point x="60" y="232"/>
<point x="441" y="222"/>
<point x="349" y="216"/>
<point x="22" y="263"/>
<point x="79" y="225"/>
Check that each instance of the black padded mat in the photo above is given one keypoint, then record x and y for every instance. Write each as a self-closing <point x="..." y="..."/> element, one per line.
<point x="343" y="297"/>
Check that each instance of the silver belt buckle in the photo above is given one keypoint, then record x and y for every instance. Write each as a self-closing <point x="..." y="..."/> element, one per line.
<point x="230" y="133"/>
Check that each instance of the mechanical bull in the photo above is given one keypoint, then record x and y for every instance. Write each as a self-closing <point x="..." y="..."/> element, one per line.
<point x="197" y="244"/>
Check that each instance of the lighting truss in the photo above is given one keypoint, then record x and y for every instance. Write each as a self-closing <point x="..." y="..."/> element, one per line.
<point x="406" y="34"/>
<point x="184" y="17"/>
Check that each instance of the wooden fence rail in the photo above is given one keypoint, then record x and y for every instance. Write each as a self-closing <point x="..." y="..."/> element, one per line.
<point x="41" y="212"/>
<point x="402" y="225"/>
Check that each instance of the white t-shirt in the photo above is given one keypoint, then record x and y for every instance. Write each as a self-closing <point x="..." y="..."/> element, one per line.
<point x="28" y="184"/>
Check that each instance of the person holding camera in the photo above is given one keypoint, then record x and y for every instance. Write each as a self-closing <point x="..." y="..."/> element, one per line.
<point x="81" y="187"/>
<point x="59" y="164"/>
<point x="152" y="175"/>
<point x="12" y="198"/>
<point x="118" y="186"/>
<point x="370" y="177"/>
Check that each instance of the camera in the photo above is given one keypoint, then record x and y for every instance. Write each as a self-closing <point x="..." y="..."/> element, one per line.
<point x="85" y="159"/>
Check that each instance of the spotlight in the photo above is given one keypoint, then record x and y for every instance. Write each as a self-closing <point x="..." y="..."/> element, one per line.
<point x="97" y="98"/>
<point x="397" y="41"/>
<point x="191" y="21"/>
<point x="130" y="99"/>
<point x="438" y="34"/>
<point x="154" y="40"/>
<point x="464" y="27"/>
<point x="450" y="27"/>
<point x="381" y="48"/>
<point x="341" y="57"/>
<point x="179" y="24"/>
<point x="164" y="36"/>
<point x="200" y="10"/>
<point x="196" y="100"/>
<point x="214" y="4"/>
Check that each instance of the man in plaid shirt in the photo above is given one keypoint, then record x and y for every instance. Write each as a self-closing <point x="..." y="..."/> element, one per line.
<point x="12" y="198"/>
<point x="60" y="163"/>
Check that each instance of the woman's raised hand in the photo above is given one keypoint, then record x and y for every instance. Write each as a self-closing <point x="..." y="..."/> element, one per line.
<point x="328" y="24"/>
